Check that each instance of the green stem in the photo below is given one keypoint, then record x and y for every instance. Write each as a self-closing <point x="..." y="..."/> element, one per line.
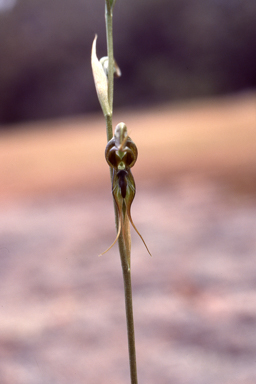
<point x="109" y="31"/>
<point x="109" y="127"/>
<point x="129" y="321"/>
<point x="124" y="248"/>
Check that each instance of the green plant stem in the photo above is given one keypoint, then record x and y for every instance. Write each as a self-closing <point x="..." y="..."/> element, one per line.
<point x="109" y="32"/>
<point x="124" y="246"/>
<point x="109" y="128"/>
<point x="129" y="321"/>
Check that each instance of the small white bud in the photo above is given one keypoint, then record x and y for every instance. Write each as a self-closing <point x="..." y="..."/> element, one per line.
<point x="104" y="63"/>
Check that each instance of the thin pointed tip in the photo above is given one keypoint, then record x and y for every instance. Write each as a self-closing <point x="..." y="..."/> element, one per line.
<point x="132" y="223"/>
<point x="146" y="248"/>
<point x="117" y="236"/>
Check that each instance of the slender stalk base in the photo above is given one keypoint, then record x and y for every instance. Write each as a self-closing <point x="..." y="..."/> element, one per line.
<point x="124" y="246"/>
<point x="130" y="324"/>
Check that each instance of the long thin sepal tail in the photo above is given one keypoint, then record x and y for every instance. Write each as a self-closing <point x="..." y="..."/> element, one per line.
<point x="132" y="223"/>
<point x="118" y="234"/>
<point x="130" y="194"/>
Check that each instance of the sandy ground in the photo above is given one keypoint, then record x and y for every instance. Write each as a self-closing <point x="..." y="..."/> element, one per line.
<point x="62" y="311"/>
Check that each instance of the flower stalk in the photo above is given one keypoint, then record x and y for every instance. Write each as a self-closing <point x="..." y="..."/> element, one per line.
<point x="124" y="246"/>
<point x="110" y="49"/>
<point x="121" y="154"/>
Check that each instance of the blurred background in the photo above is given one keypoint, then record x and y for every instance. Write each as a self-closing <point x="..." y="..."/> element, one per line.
<point x="167" y="50"/>
<point x="188" y="97"/>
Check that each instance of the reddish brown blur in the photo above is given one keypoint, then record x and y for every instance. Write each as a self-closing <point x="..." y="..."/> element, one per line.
<point x="215" y="137"/>
<point x="62" y="309"/>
